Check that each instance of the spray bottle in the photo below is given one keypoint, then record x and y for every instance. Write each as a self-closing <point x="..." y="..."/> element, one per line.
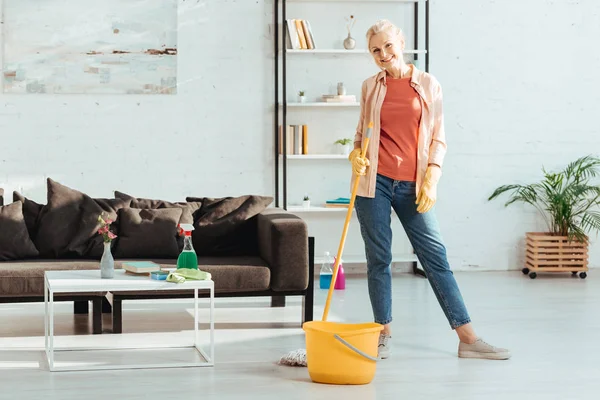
<point x="188" y="257"/>
<point x="326" y="271"/>
<point x="340" y="281"/>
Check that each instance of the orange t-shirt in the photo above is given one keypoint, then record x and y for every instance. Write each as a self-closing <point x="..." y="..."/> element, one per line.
<point x="400" y="118"/>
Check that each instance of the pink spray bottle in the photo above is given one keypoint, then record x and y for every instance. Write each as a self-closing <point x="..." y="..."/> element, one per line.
<point x="340" y="281"/>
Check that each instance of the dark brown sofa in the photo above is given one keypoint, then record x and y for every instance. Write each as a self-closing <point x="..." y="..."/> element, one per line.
<point x="250" y="249"/>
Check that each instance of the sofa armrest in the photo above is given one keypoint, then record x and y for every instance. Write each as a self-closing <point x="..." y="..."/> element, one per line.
<point x="283" y="244"/>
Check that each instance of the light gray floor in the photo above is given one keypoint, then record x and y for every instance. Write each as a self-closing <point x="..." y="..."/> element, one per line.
<point x="551" y="324"/>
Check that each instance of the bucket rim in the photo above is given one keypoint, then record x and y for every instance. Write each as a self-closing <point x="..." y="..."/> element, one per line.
<point x="307" y="326"/>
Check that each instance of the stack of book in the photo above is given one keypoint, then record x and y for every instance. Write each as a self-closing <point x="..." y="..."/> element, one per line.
<point x="334" y="98"/>
<point x="340" y="202"/>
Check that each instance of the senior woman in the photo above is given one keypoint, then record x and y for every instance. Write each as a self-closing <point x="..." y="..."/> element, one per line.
<point x="402" y="167"/>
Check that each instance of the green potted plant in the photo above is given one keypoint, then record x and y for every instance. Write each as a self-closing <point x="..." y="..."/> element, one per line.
<point x="568" y="202"/>
<point x="306" y="201"/>
<point x="301" y="96"/>
<point x="346" y="145"/>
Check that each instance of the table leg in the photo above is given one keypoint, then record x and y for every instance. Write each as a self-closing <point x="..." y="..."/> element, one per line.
<point x="51" y="331"/>
<point x="46" y="316"/>
<point x="117" y="315"/>
<point x="196" y="344"/>
<point x="212" y="325"/>
<point x="97" y="316"/>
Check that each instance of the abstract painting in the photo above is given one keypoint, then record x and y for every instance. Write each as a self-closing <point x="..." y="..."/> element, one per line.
<point x="90" y="46"/>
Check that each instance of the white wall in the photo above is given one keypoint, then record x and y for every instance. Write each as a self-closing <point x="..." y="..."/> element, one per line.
<point x="519" y="81"/>
<point x="212" y="138"/>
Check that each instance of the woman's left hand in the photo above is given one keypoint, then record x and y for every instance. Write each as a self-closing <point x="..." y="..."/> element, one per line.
<point x="428" y="194"/>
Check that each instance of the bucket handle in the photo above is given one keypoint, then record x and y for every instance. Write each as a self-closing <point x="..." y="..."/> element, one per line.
<point x="362" y="353"/>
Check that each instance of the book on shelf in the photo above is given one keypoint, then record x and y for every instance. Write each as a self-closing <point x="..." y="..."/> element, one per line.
<point x="334" y="205"/>
<point x="340" y="202"/>
<point x="334" y="98"/>
<point x="300" y="35"/>
<point x="296" y="139"/>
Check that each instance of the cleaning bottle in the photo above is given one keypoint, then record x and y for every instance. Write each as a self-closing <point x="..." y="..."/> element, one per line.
<point x="340" y="281"/>
<point x="188" y="257"/>
<point x="326" y="272"/>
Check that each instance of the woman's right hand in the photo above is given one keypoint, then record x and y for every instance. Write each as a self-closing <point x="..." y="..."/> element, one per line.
<point x="359" y="164"/>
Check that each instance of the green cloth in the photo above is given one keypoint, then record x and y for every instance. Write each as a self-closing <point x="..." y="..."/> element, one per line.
<point x="181" y="274"/>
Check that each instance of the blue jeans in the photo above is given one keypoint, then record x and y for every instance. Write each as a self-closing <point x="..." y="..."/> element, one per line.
<point x="374" y="216"/>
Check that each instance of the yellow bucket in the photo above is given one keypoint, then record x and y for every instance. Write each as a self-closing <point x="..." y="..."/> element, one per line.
<point x="341" y="354"/>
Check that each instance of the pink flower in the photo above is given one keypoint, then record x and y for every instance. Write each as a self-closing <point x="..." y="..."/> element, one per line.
<point x="111" y="235"/>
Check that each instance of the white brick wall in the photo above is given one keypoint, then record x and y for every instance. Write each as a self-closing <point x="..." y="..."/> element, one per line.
<point x="520" y="81"/>
<point x="212" y="138"/>
<point x="520" y="91"/>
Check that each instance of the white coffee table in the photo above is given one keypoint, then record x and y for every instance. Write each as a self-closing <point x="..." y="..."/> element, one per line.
<point x="90" y="281"/>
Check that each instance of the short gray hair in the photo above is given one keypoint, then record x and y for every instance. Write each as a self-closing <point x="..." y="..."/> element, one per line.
<point x="381" y="26"/>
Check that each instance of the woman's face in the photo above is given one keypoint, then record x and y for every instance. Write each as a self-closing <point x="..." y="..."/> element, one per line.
<point x="386" y="49"/>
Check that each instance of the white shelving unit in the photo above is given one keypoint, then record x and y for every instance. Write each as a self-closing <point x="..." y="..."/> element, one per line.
<point x="317" y="209"/>
<point x="343" y="51"/>
<point x="356" y="1"/>
<point x="315" y="157"/>
<point x="362" y="260"/>
<point x="322" y="104"/>
<point x="323" y="220"/>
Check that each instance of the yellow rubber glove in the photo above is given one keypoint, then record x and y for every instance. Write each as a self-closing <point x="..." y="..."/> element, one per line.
<point x="428" y="194"/>
<point x="359" y="164"/>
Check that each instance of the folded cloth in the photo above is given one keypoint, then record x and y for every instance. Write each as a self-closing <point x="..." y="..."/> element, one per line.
<point x="339" y="200"/>
<point x="181" y="274"/>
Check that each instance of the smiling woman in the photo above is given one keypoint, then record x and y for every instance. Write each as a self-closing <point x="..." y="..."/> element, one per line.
<point x="386" y="44"/>
<point x="403" y="165"/>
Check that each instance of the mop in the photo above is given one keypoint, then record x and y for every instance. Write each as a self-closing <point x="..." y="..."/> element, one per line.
<point x="297" y="358"/>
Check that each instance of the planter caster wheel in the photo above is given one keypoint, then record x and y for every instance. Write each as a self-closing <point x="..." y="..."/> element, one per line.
<point x="533" y="275"/>
<point x="583" y="275"/>
<point x="525" y="271"/>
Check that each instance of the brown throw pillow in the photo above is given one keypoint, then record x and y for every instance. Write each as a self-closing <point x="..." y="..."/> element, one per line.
<point x="188" y="208"/>
<point x="147" y="233"/>
<point x="226" y="226"/>
<point x="15" y="243"/>
<point x="31" y="212"/>
<point x="1" y="197"/>
<point x="69" y="224"/>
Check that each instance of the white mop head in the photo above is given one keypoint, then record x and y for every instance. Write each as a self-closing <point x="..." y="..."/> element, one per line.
<point x="296" y="358"/>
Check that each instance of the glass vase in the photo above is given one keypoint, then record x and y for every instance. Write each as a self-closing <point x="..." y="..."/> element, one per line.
<point x="107" y="263"/>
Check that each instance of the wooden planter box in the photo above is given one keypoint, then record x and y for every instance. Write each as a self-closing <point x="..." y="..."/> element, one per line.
<point x="546" y="252"/>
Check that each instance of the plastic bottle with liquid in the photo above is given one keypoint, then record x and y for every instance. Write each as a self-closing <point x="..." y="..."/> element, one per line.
<point x="340" y="281"/>
<point x="326" y="272"/>
<point x="188" y="257"/>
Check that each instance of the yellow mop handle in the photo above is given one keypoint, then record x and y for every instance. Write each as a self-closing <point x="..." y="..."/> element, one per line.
<point x="365" y="144"/>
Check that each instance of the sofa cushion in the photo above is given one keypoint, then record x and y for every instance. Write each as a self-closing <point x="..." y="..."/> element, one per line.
<point x="68" y="226"/>
<point x="15" y="242"/>
<point x="230" y="274"/>
<point x="31" y="212"/>
<point x="226" y="226"/>
<point x="188" y="208"/>
<point x="145" y="233"/>
<point x="26" y="277"/>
